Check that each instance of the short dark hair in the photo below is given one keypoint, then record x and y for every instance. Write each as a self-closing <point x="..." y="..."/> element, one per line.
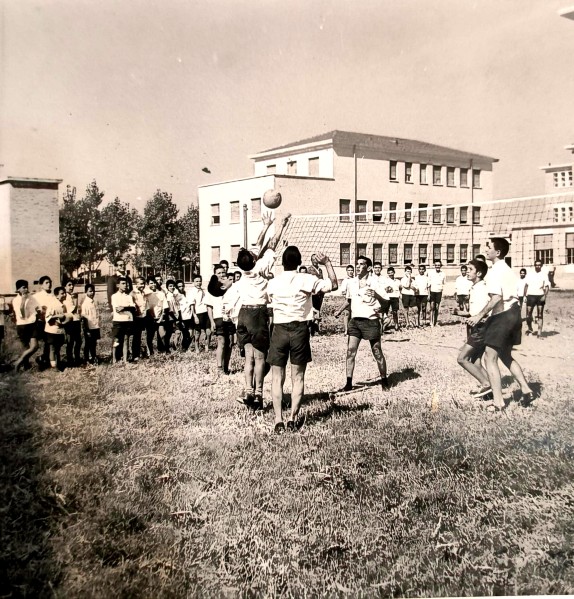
<point x="218" y="266"/>
<point x="522" y="270"/>
<point x="408" y="267"/>
<point x="197" y="276"/>
<point x="536" y="261"/>
<point x="21" y="283"/>
<point x="377" y="263"/>
<point x="58" y="289"/>
<point x="500" y="245"/>
<point x="480" y="257"/>
<point x="151" y="279"/>
<point x="480" y="266"/>
<point x="367" y="260"/>
<point x="438" y="261"/>
<point x="44" y="278"/>
<point x="390" y="269"/>
<point x="179" y="281"/>
<point x="69" y="281"/>
<point x="463" y="266"/>
<point x="170" y="282"/>
<point x="349" y="266"/>
<point x="291" y="258"/>
<point x="89" y="286"/>
<point x="214" y="287"/>
<point x="120" y="279"/>
<point x="222" y="262"/>
<point x="245" y="260"/>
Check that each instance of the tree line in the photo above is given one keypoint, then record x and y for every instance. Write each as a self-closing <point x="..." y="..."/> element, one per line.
<point x="159" y="239"/>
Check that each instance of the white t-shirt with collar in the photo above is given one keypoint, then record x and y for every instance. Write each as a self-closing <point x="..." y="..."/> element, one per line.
<point x="501" y="280"/>
<point x="537" y="282"/>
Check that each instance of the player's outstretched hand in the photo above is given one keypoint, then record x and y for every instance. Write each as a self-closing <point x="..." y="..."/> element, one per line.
<point x="286" y="219"/>
<point x="322" y="258"/>
<point x="267" y="219"/>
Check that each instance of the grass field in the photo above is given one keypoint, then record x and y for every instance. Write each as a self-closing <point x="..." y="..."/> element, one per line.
<point x="152" y="481"/>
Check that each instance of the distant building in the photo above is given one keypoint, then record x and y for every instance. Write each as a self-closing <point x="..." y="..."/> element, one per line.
<point x="559" y="176"/>
<point x="29" y="231"/>
<point x="342" y="173"/>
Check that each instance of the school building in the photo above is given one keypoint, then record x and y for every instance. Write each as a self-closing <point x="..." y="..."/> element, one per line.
<point x="395" y="200"/>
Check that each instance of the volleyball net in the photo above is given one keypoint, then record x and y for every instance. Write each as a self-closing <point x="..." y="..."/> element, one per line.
<point x="537" y="227"/>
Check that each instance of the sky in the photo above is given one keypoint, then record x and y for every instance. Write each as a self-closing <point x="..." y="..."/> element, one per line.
<point x="142" y="95"/>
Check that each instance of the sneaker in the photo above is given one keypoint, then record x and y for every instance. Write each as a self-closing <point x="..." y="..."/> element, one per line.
<point x="385" y="384"/>
<point x="257" y="402"/>
<point x="295" y="425"/>
<point x="279" y="428"/>
<point x="247" y="398"/>
<point x="481" y="392"/>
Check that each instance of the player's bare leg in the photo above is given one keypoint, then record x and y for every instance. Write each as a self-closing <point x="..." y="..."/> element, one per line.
<point x="540" y="314"/>
<point x="277" y="380"/>
<point x="379" y="356"/>
<point x="474" y="368"/>
<point x="297" y="388"/>
<point x="352" y="347"/>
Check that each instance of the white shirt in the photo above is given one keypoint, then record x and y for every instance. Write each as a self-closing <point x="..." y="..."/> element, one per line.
<point x="197" y="299"/>
<point x="362" y="305"/>
<point x="156" y="303"/>
<point x="90" y="313"/>
<point x="436" y="281"/>
<point x="501" y="280"/>
<point x="343" y="286"/>
<point x="216" y="305"/>
<point x="55" y="310"/>
<point x="478" y="298"/>
<point x="290" y="293"/>
<point x="395" y="284"/>
<point x="30" y="305"/>
<point x="379" y="284"/>
<point x="520" y="287"/>
<point x="537" y="282"/>
<point x="462" y="285"/>
<point x="252" y="287"/>
<point x="185" y="306"/>
<point x="422" y="284"/>
<point x="71" y="303"/>
<point x="407" y="285"/>
<point x="140" y="301"/>
<point x="122" y="300"/>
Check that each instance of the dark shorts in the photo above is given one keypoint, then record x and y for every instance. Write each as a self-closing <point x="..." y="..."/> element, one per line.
<point x="94" y="334"/>
<point x="203" y="322"/>
<point x="436" y="297"/>
<point x="27" y="332"/>
<point x="121" y="329"/>
<point x="535" y="300"/>
<point x="2" y="330"/>
<point x="409" y="301"/>
<point x="394" y="303"/>
<point x="422" y="300"/>
<point x="364" y="328"/>
<point x="461" y="299"/>
<point x="385" y="305"/>
<point x="253" y="327"/>
<point x="55" y="340"/>
<point x="503" y="330"/>
<point x="41" y="330"/>
<point x="475" y="337"/>
<point x="291" y="339"/>
<point x="223" y="328"/>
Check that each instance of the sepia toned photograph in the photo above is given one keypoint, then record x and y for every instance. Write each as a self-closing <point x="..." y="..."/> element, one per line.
<point x="286" y="298"/>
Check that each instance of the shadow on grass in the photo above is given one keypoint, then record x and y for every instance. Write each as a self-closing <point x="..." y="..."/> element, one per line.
<point x="327" y="411"/>
<point x="406" y="374"/>
<point x="28" y="505"/>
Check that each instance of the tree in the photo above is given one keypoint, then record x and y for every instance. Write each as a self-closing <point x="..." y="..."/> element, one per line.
<point x="81" y="241"/>
<point x="119" y="224"/>
<point x="159" y="235"/>
<point x="189" y="223"/>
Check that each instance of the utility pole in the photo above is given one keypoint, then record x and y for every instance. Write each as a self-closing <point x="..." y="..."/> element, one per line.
<point x="245" y="226"/>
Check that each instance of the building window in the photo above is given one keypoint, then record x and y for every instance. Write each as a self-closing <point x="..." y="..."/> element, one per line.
<point x="555" y="177"/>
<point x="377" y="212"/>
<point x="215" y="219"/>
<point x="569" y="248"/>
<point x="450" y="176"/>
<point x="408" y="212"/>
<point x="392" y="212"/>
<point x="344" y="254"/>
<point x="215" y="255"/>
<point x="408" y="253"/>
<point x="436" y="175"/>
<point x="476" y="178"/>
<point x="377" y="252"/>
<point x="361" y="249"/>
<point x="450" y="253"/>
<point x="361" y="211"/>
<point x="463" y="215"/>
<point x="233" y="212"/>
<point x="423" y="250"/>
<point x="436" y="252"/>
<point x="423" y="213"/>
<point x="393" y="170"/>
<point x="436" y="214"/>
<point x="255" y="208"/>
<point x="450" y="216"/>
<point x="314" y="167"/>
<point x="271" y="169"/>
<point x="464" y="253"/>
<point x="408" y="172"/>
<point x="234" y="252"/>
<point x="423" y="174"/>
<point x="476" y="215"/>
<point x="543" y="248"/>
<point x="475" y="250"/>
<point x="393" y="253"/>
<point x="344" y="211"/>
<point x="464" y="177"/>
<point x="292" y="167"/>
